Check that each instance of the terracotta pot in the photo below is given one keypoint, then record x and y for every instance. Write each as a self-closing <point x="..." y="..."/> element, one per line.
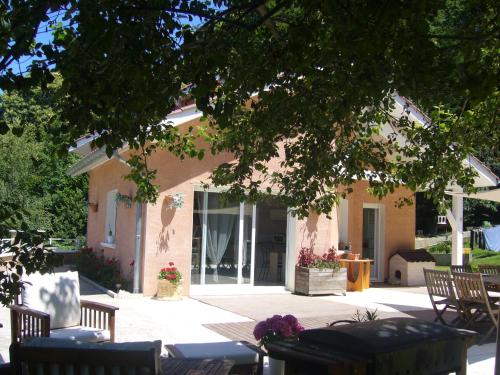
<point x="168" y="290"/>
<point x="352" y="256"/>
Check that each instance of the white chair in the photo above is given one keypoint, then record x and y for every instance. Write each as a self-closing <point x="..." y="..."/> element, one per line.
<point x="51" y="306"/>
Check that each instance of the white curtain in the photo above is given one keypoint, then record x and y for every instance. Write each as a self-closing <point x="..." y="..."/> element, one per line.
<point x="220" y="226"/>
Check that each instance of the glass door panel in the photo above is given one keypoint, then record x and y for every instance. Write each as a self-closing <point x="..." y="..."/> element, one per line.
<point x="270" y="243"/>
<point x="370" y="217"/>
<point x="247" y="243"/>
<point x="222" y="223"/>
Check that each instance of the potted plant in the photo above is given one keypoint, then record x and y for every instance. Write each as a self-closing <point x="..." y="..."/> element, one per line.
<point x="277" y="328"/>
<point x="169" y="280"/>
<point x="316" y="274"/>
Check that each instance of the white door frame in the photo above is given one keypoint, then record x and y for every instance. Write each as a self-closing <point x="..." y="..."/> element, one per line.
<point x="379" y="239"/>
<point x="289" y="253"/>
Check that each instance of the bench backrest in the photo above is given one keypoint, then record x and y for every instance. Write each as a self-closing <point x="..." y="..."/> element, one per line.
<point x="45" y="356"/>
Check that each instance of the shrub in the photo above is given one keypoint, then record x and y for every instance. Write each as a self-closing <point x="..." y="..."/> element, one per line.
<point x="104" y="271"/>
<point x="441" y="248"/>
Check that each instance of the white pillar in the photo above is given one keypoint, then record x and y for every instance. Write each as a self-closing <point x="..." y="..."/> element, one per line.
<point x="457" y="236"/>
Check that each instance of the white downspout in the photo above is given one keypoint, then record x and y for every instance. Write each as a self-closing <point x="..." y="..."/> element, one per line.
<point x="138" y="240"/>
<point x="138" y="233"/>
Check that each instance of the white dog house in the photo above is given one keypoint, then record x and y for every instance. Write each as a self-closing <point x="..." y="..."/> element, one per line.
<point x="407" y="267"/>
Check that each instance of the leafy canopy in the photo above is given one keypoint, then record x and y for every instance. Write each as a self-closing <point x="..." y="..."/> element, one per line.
<point x="34" y="176"/>
<point x="325" y="73"/>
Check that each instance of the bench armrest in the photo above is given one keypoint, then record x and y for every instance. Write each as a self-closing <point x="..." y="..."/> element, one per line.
<point x="26" y="322"/>
<point x="98" y="315"/>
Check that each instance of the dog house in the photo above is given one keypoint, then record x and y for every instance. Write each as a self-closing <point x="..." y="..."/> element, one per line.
<point x="407" y="267"/>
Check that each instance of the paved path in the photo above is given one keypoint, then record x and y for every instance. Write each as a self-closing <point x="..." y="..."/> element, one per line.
<point x="221" y="318"/>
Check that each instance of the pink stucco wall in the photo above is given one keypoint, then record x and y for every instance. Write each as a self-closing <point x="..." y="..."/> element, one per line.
<point x="167" y="233"/>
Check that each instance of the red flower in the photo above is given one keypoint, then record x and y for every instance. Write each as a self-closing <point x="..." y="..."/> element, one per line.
<point x="170" y="263"/>
<point x="173" y="269"/>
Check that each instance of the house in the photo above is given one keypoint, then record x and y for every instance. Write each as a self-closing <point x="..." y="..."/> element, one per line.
<point x="232" y="247"/>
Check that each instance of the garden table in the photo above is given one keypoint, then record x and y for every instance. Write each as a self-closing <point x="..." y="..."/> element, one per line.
<point x="381" y="347"/>
<point x="358" y="273"/>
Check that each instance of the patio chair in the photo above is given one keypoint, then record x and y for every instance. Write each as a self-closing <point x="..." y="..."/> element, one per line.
<point x="51" y="306"/>
<point x="441" y="293"/>
<point x="464" y="268"/>
<point x="474" y="300"/>
<point x="489" y="269"/>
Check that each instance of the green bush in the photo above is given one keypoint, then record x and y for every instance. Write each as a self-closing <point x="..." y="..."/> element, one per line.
<point x="102" y="270"/>
<point x="441" y="248"/>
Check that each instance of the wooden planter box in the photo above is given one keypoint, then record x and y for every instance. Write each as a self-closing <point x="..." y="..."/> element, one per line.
<point x="313" y="281"/>
<point x="167" y="290"/>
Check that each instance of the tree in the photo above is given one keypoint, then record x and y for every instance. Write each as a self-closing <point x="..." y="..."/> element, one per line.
<point x="325" y="73"/>
<point x="34" y="176"/>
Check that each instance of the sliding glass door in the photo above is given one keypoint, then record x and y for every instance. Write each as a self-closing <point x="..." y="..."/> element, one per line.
<point x="232" y="244"/>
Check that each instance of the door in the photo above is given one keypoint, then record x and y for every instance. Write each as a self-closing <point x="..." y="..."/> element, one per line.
<point x="371" y="239"/>
<point x="238" y="243"/>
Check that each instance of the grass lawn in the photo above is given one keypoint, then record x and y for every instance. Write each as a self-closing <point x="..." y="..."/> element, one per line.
<point x="485" y="257"/>
<point x="479" y="256"/>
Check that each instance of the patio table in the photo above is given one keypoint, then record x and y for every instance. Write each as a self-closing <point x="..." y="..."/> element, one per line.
<point x="381" y="347"/>
<point x="358" y="273"/>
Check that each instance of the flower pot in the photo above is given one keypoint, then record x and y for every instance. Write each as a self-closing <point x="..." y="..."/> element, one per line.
<point x="313" y="281"/>
<point x="168" y="290"/>
<point x="276" y="366"/>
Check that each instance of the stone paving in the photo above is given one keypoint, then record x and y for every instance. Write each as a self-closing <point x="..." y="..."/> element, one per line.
<point x="199" y="319"/>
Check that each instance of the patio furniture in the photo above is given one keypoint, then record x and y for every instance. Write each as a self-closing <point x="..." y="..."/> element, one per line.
<point x="474" y="300"/>
<point x="48" y="356"/>
<point x="388" y="346"/>
<point x="465" y="268"/>
<point x="247" y="358"/>
<point x="488" y="269"/>
<point x="358" y="273"/>
<point x="441" y="293"/>
<point x="51" y="306"/>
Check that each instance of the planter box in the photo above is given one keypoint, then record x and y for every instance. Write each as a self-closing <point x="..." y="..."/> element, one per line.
<point x="445" y="259"/>
<point x="313" y="281"/>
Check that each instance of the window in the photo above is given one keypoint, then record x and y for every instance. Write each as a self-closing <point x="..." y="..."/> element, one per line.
<point x="110" y="230"/>
<point x="441" y="220"/>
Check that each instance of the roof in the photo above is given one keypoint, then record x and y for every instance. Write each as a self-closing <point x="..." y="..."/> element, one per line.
<point x="94" y="158"/>
<point x="411" y="256"/>
<point x="189" y="112"/>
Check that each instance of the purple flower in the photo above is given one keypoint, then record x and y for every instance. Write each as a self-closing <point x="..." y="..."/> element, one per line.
<point x="260" y="330"/>
<point x="277" y="327"/>
<point x="298" y="328"/>
<point x="291" y="320"/>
